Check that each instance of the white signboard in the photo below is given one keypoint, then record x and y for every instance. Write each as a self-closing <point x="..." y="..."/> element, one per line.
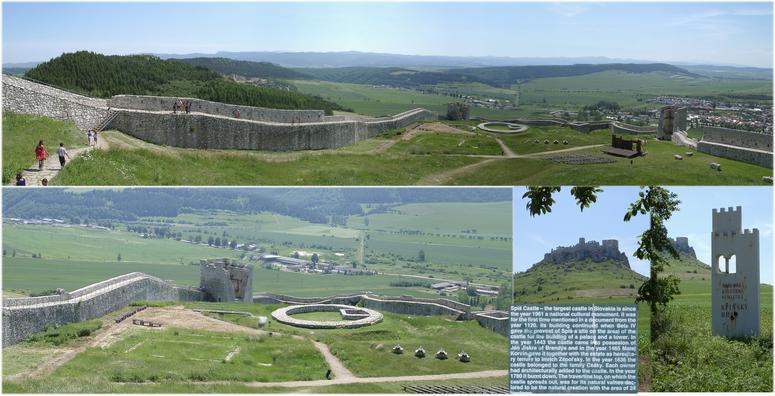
<point x="735" y="275"/>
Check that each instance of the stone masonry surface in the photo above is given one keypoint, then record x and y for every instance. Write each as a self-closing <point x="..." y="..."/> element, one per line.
<point x="750" y="147"/>
<point x="210" y="125"/>
<point x="22" y="96"/>
<point x="24" y="316"/>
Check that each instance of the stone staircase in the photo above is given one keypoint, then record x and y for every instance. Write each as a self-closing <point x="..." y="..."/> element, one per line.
<point x="106" y="121"/>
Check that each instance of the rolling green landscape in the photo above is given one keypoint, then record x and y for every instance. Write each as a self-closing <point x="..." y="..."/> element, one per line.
<point x="458" y="241"/>
<point x="138" y="361"/>
<point x="687" y="358"/>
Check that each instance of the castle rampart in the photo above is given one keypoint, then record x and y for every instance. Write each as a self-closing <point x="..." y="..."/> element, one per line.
<point x="750" y="147"/>
<point x="23" y="317"/>
<point x="27" y="97"/>
<point x="210" y="125"/>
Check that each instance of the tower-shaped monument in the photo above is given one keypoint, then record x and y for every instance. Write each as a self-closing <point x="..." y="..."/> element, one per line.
<point x="735" y="288"/>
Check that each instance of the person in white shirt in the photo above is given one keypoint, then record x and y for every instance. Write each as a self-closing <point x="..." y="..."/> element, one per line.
<point x="62" y="153"/>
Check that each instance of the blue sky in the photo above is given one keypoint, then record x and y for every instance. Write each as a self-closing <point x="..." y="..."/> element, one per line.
<point x="534" y="236"/>
<point x="727" y="33"/>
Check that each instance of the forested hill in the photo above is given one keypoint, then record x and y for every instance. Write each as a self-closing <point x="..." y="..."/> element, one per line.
<point x="245" y="68"/>
<point x="495" y="76"/>
<point x="104" y="76"/>
<point x="314" y="205"/>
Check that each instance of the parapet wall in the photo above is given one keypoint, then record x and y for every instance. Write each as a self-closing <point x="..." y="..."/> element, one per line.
<point x="739" y="138"/>
<point x="750" y="147"/>
<point x="403" y="304"/>
<point x="618" y="128"/>
<point x="204" y="131"/>
<point x="166" y="103"/>
<point x="23" y="317"/>
<point x="497" y="321"/>
<point x="27" y="97"/>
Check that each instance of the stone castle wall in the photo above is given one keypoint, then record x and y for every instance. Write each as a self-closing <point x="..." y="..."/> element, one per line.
<point x="166" y="103"/>
<point x="739" y="138"/>
<point x="23" y="317"/>
<point x="618" y="128"/>
<point x="216" y="132"/>
<point x="588" y="250"/>
<point x="750" y="147"/>
<point x="403" y="304"/>
<point x="212" y="125"/>
<point x="26" y="97"/>
<point x="497" y="321"/>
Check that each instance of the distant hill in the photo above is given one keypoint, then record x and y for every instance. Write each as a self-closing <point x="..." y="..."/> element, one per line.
<point x="245" y="68"/>
<point x="314" y="205"/>
<point x="504" y="76"/>
<point x="585" y="272"/>
<point x="104" y="76"/>
<point x="731" y="73"/>
<point x="495" y="76"/>
<point x="374" y="59"/>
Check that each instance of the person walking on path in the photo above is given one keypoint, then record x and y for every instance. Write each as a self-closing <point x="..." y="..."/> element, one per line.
<point x="94" y="135"/>
<point x="90" y="135"/>
<point x="41" y="154"/>
<point x="61" y="152"/>
<point x="20" y="180"/>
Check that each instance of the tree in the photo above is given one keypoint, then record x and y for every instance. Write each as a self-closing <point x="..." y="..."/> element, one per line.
<point x="315" y="260"/>
<point x="210" y="240"/>
<point x="118" y="258"/>
<point x="659" y="204"/>
<point x="421" y="256"/>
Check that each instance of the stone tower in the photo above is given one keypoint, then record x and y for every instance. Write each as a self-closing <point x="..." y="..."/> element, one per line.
<point x="735" y="291"/>
<point x="671" y="119"/>
<point x="225" y="280"/>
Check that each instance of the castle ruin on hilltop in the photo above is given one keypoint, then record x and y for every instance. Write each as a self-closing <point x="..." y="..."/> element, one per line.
<point x="681" y="245"/>
<point x="592" y="250"/>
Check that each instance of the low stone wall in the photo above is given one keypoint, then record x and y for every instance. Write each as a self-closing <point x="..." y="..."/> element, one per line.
<point x="618" y="128"/>
<point x="23" y="317"/>
<point x="739" y="138"/>
<point x="410" y="307"/>
<point x="751" y="156"/>
<point x="27" y="97"/>
<point x="497" y="321"/>
<point x="285" y="315"/>
<point x="166" y="103"/>
<point x="216" y="132"/>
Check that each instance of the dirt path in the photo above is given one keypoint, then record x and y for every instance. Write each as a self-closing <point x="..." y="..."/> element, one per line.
<point x="337" y="368"/>
<point x="445" y="177"/>
<point x="367" y="380"/>
<point x="433" y="127"/>
<point x="507" y="152"/>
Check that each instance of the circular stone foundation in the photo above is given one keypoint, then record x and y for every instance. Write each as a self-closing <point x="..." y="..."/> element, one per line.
<point x="352" y="317"/>
<point x="512" y="127"/>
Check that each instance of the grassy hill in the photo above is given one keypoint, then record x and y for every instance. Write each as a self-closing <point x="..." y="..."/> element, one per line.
<point x="104" y="76"/>
<point x="577" y="282"/>
<point x="502" y="76"/>
<point x="245" y="68"/>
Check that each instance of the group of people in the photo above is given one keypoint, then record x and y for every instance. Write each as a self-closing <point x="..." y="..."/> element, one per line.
<point x="92" y="135"/>
<point x="41" y="154"/>
<point x="182" y="106"/>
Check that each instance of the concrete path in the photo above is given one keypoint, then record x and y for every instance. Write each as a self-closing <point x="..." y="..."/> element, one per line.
<point x="51" y="167"/>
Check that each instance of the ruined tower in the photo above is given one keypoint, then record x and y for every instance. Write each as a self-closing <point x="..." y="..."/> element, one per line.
<point x="226" y="280"/>
<point x="735" y="289"/>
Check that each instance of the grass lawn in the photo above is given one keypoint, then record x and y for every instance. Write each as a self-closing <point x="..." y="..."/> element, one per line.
<point x="525" y="143"/>
<point x="118" y="166"/>
<point x="366" y="351"/>
<point x="445" y="143"/>
<point x="658" y="167"/>
<point x="21" y="133"/>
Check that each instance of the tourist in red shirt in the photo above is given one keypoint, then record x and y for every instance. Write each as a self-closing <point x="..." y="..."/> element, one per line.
<point x="41" y="154"/>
